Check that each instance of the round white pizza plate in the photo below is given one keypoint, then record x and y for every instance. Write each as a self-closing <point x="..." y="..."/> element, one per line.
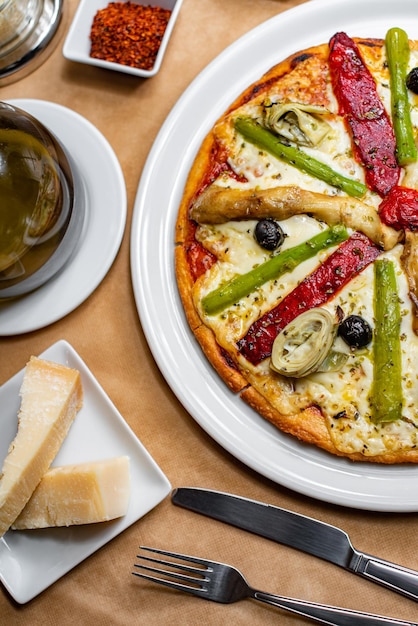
<point x="224" y="416"/>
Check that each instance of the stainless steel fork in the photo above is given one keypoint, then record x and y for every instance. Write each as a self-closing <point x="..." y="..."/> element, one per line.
<point x="222" y="583"/>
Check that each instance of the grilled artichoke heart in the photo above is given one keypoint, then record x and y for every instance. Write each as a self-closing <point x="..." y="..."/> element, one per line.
<point x="298" y="123"/>
<point x="303" y="345"/>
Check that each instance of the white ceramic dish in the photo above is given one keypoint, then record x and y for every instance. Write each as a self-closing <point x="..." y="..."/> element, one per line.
<point x="77" y="43"/>
<point x="104" y="225"/>
<point x="224" y="416"/>
<point x="31" y="561"/>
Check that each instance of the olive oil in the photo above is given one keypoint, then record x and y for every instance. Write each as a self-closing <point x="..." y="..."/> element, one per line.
<point x="35" y="201"/>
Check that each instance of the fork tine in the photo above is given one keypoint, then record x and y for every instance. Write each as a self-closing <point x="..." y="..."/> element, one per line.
<point x="172" y="584"/>
<point x="183" y="557"/>
<point x="182" y="566"/>
<point x="193" y="580"/>
<point x="185" y="577"/>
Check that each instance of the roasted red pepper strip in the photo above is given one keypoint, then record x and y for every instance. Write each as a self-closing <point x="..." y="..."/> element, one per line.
<point x="374" y="142"/>
<point x="319" y="287"/>
<point x="400" y="209"/>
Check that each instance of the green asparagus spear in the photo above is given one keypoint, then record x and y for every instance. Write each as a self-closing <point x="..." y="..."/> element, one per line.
<point x="386" y="393"/>
<point x="253" y="132"/>
<point x="242" y="285"/>
<point x="397" y="50"/>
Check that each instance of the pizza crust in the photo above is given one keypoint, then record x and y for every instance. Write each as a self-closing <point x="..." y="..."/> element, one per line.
<point x="309" y="427"/>
<point x="207" y="341"/>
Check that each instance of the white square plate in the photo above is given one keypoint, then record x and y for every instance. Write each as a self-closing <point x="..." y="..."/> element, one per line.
<point x="33" y="560"/>
<point x="77" y="43"/>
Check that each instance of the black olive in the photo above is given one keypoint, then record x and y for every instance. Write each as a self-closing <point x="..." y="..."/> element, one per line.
<point x="355" y="331"/>
<point x="412" y="80"/>
<point x="269" y="234"/>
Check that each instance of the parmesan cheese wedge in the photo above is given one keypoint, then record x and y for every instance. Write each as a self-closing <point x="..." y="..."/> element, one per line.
<point x="79" y="494"/>
<point x="51" y="394"/>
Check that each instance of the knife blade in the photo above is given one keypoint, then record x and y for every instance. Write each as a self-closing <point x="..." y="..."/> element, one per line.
<point x="298" y="531"/>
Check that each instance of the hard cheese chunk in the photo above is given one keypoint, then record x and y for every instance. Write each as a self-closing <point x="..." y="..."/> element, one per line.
<point x="79" y="494"/>
<point x="51" y="395"/>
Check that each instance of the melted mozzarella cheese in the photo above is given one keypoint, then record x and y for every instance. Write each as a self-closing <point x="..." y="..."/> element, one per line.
<point x="240" y="254"/>
<point x="343" y="395"/>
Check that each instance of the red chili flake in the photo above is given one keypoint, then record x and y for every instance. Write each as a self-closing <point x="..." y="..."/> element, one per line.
<point x="128" y="34"/>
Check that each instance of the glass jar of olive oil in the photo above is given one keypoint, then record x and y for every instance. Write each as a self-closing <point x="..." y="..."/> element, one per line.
<point x="39" y="226"/>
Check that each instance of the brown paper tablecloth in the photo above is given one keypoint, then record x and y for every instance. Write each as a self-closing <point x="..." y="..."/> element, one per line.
<point x="106" y="332"/>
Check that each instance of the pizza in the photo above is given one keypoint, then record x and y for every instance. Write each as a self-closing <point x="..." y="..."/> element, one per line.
<point x="296" y="247"/>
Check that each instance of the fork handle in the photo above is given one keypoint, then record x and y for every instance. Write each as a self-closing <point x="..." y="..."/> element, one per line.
<point x="331" y="615"/>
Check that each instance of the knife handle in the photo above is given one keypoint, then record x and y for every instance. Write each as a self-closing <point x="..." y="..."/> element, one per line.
<point x="325" y="614"/>
<point x="395" y="577"/>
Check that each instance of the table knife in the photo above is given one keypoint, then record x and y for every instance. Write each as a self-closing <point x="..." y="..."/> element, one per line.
<point x="298" y="531"/>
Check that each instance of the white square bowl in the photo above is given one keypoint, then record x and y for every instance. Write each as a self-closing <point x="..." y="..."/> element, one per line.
<point x="77" y="43"/>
